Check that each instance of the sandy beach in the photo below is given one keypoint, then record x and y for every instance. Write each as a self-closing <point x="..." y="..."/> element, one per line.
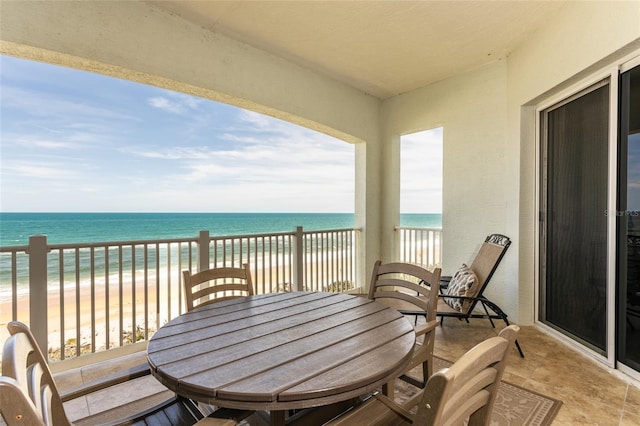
<point x="162" y="303"/>
<point x="81" y="302"/>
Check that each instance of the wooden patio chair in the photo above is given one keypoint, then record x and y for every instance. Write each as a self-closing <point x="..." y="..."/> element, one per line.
<point x="462" y="295"/>
<point x="466" y="390"/>
<point x="29" y="395"/>
<point x="398" y="286"/>
<point x="217" y="284"/>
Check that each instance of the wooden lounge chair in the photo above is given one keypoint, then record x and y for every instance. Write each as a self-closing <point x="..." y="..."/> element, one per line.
<point x="398" y="286"/>
<point x="29" y="395"/>
<point x="462" y="295"/>
<point x="466" y="390"/>
<point x="214" y="285"/>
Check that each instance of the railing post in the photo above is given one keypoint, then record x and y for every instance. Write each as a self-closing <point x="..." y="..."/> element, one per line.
<point x="38" y="290"/>
<point x="298" y="260"/>
<point x="203" y="250"/>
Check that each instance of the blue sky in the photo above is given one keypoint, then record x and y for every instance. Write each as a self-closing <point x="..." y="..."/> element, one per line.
<point x="78" y="141"/>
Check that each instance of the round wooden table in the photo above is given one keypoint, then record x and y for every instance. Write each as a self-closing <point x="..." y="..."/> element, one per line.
<point x="282" y="351"/>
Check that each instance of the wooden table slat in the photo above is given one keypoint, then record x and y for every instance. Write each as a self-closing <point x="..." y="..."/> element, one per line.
<point x="281" y="351"/>
<point x="260" y="361"/>
<point x="215" y="326"/>
<point x="369" y="367"/>
<point x="235" y="309"/>
<point x="288" y="328"/>
<point x="267" y="384"/>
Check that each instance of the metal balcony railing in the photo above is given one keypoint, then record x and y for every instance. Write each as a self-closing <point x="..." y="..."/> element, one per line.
<point x="422" y="246"/>
<point x="88" y="297"/>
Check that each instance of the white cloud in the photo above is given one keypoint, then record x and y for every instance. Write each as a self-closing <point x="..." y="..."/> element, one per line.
<point x="241" y="139"/>
<point x="54" y="108"/>
<point x="69" y="141"/>
<point x="264" y="150"/>
<point x="49" y="144"/>
<point x="48" y="172"/>
<point x="175" y="103"/>
<point x="165" y="104"/>
<point x="260" y="121"/>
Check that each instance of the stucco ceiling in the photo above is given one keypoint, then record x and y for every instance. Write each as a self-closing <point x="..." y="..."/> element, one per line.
<point x="380" y="47"/>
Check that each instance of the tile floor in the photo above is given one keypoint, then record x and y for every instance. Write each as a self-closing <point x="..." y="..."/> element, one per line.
<point x="591" y="394"/>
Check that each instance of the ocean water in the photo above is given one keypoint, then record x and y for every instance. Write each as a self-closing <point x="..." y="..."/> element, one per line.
<point x="63" y="228"/>
<point x="72" y="228"/>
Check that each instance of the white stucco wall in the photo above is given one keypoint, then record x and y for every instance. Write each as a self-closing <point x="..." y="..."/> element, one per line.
<point x="472" y="109"/>
<point x="582" y="38"/>
<point x="489" y="139"/>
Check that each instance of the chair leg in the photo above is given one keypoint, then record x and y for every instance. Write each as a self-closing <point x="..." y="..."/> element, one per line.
<point x="488" y="315"/>
<point x="519" y="348"/>
<point x="426" y="372"/>
<point x="516" y="341"/>
<point x="412" y="381"/>
<point x="389" y="389"/>
<point x="427" y="367"/>
<point x="502" y="315"/>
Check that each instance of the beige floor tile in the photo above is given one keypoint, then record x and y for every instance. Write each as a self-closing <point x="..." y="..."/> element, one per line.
<point x="632" y="402"/>
<point x="630" y="419"/>
<point x="591" y="395"/>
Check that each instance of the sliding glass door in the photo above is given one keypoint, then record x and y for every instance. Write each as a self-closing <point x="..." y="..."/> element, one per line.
<point x="589" y="229"/>
<point x="628" y="220"/>
<point x="573" y="220"/>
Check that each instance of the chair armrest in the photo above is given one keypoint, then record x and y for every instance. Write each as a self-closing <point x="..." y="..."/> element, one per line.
<point x="399" y="410"/>
<point x="426" y="328"/>
<point x="123" y="376"/>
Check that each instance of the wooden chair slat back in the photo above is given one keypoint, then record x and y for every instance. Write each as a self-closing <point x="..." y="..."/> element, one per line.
<point x="23" y="360"/>
<point x="468" y="388"/>
<point x="217" y="284"/>
<point x="16" y="407"/>
<point x="401" y="281"/>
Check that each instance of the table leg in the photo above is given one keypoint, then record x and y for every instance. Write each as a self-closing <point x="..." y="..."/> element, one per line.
<point x="276" y="418"/>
